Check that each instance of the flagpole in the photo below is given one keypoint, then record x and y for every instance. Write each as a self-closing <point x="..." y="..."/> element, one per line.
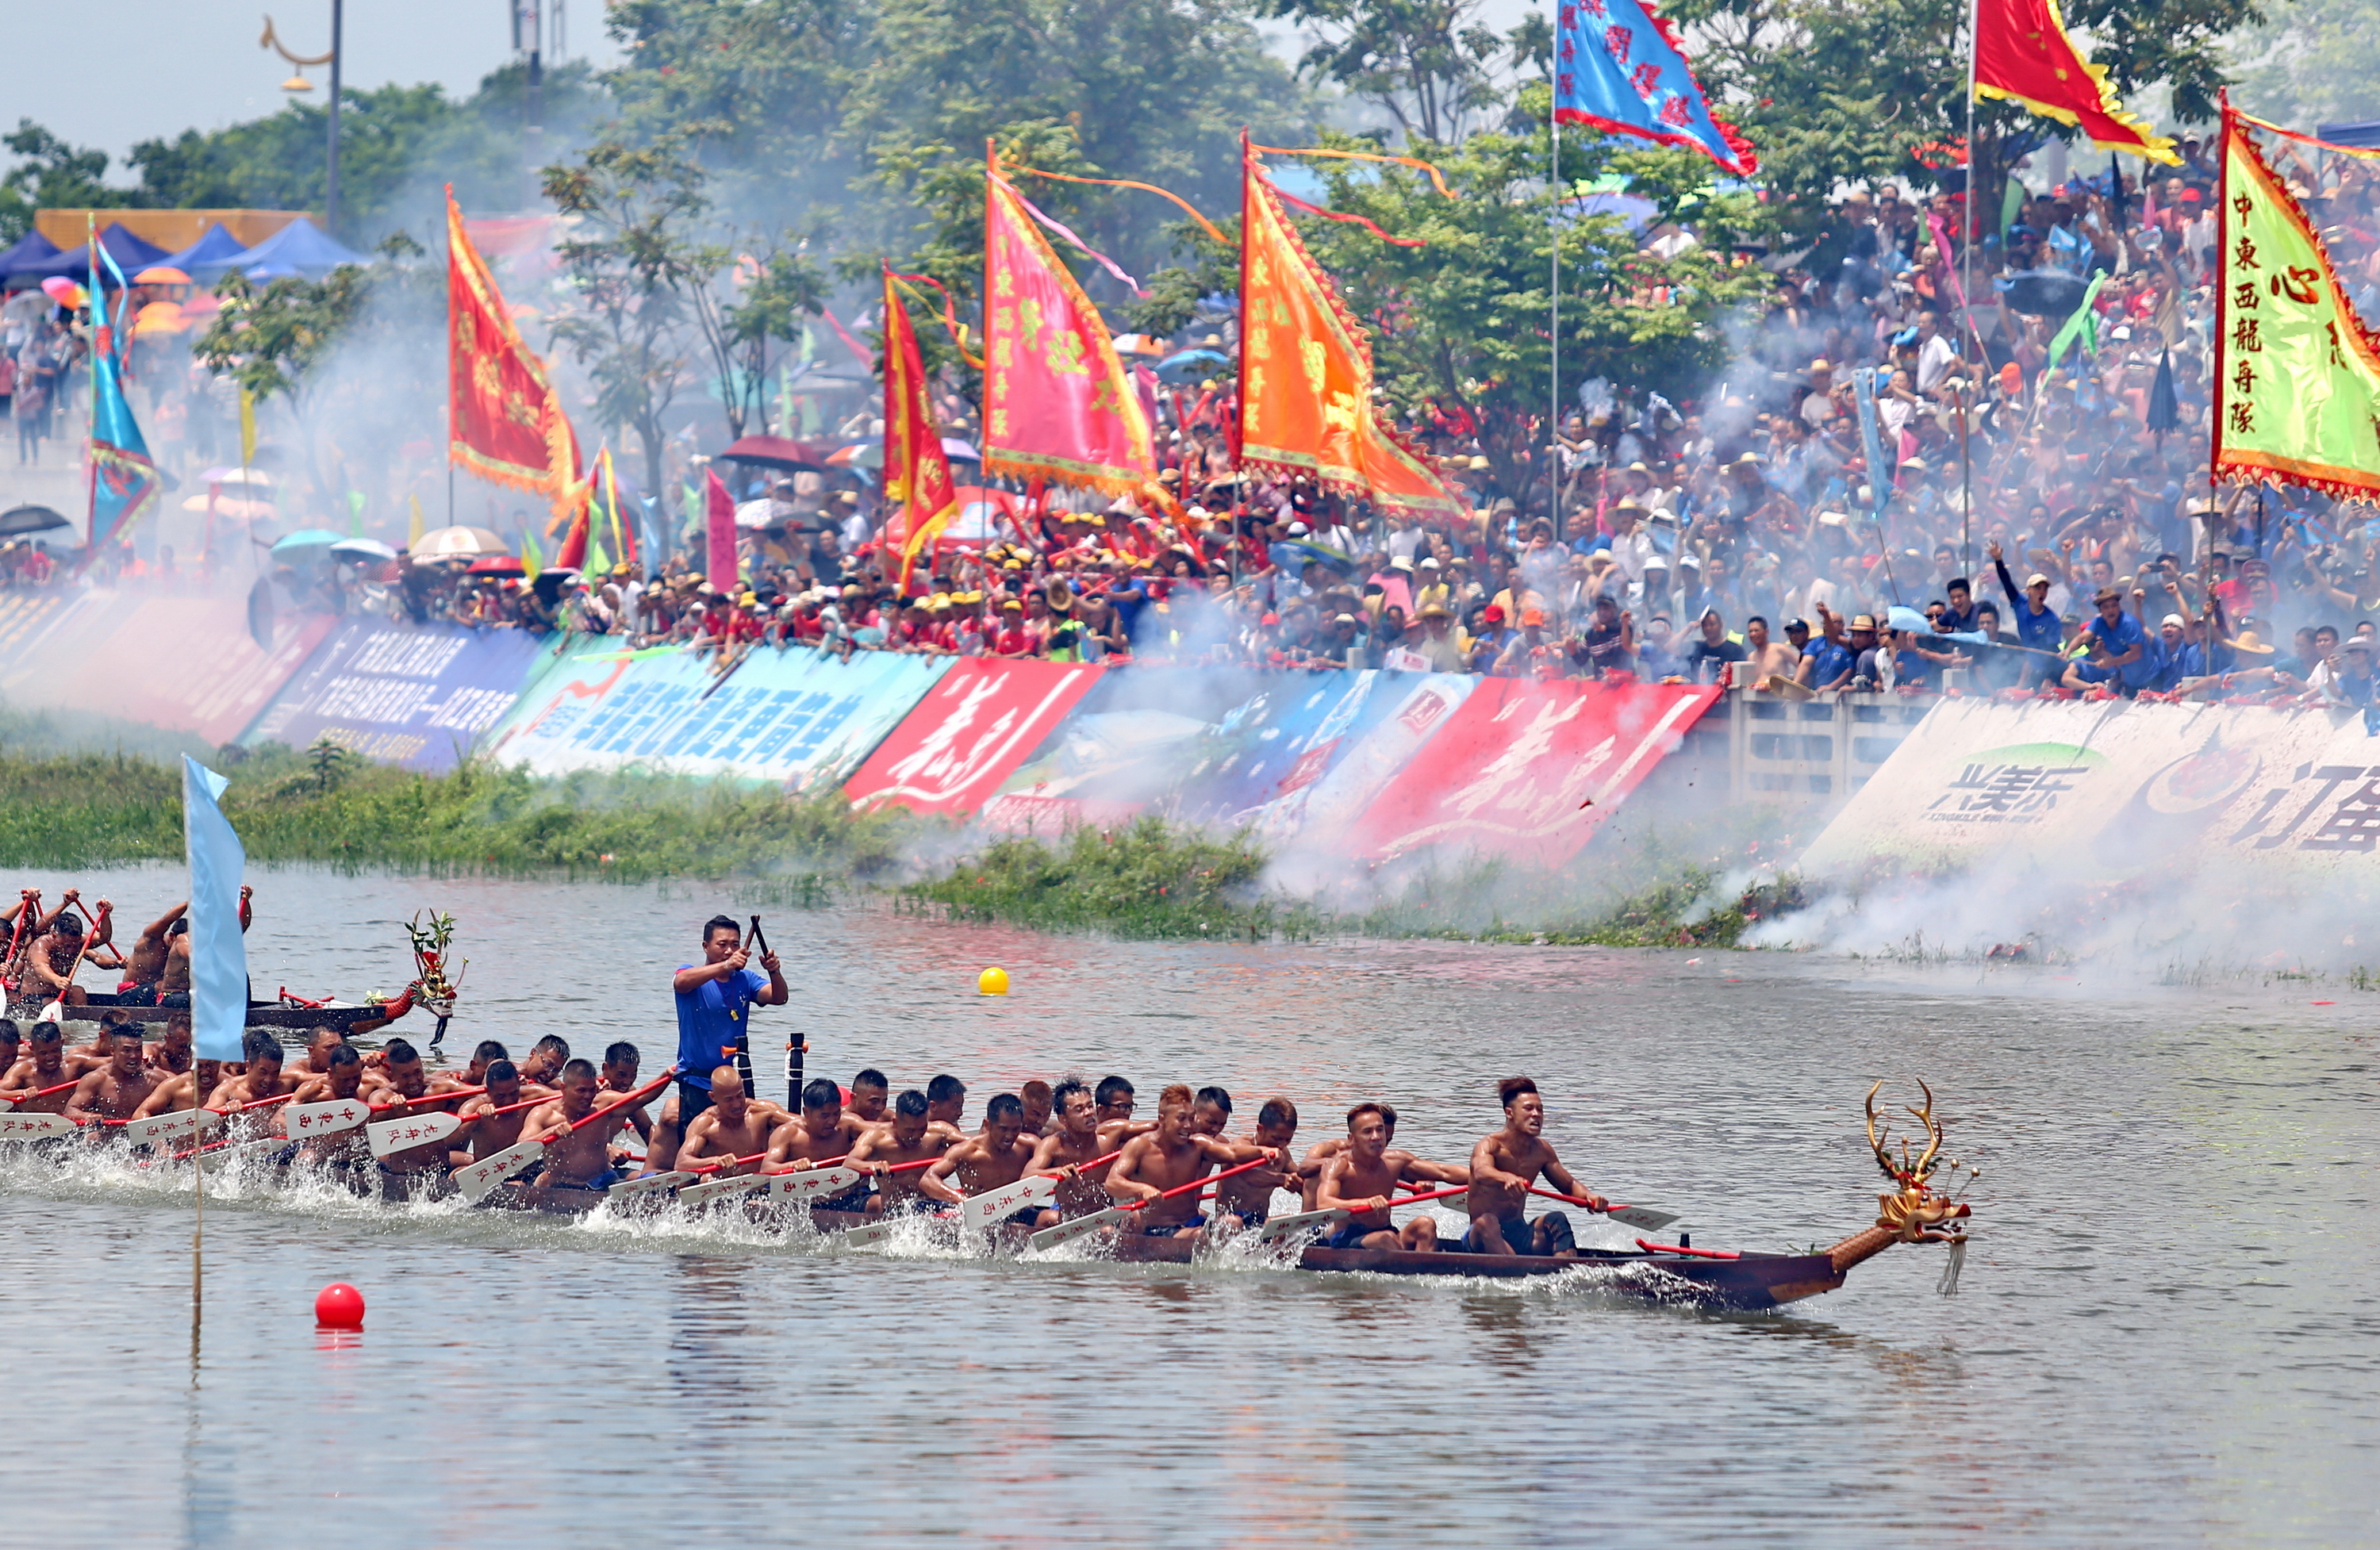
<point x="1553" y="333"/>
<point x="1967" y="288"/>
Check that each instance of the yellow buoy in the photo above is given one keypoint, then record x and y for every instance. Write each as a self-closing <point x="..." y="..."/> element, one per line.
<point x="993" y="982"/>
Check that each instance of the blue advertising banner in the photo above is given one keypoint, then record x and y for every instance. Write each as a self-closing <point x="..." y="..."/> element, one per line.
<point x="416" y="696"/>
<point x="797" y="718"/>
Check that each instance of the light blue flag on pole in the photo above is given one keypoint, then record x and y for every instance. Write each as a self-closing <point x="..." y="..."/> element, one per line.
<point x="1879" y="477"/>
<point x="218" y="951"/>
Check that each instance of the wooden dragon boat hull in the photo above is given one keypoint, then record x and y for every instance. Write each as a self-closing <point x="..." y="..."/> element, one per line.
<point x="260" y="1014"/>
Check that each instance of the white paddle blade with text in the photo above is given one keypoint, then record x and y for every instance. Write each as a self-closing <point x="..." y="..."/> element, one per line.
<point x="474" y="1180"/>
<point x="648" y="1183"/>
<point x="809" y="1183"/>
<point x="231" y="1152"/>
<point x="978" y="1213"/>
<point x="1280" y="1228"/>
<point x="173" y="1126"/>
<point x="387" y="1136"/>
<point x="34" y="1127"/>
<point x="302" y="1121"/>
<point x="712" y="1188"/>
<point x="1640" y="1219"/>
<point x="1081" y="1226"/>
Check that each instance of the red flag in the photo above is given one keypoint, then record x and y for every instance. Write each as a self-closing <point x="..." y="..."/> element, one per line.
<point x="919" y="494"/>
<point x="718" y="565"/>
<point x="504" y="421"/>
<point x="2023" y="56"/>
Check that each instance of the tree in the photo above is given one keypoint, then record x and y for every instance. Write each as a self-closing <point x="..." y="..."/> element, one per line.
<point x="778" y="287"/>
<point x="275" y="342"/>
<point x="2304" y="64"/>
<point x="1837" y="90"/>
<point x="53" y="176"/>
<point x="1431" y="65"/>
<point x="634" y="274"/>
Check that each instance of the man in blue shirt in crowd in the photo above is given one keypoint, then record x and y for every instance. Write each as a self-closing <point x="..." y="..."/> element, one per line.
<point x="2036" y="623"/>
<point x="714" y="1000"/>
<point x="2119" y="649"/>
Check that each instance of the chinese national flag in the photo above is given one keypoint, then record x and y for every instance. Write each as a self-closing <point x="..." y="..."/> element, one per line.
<point x="920" y="497"/>
<point x="1306" y="374"/>
<point x="2023" y="56"/>
<point x="504" y="421"/>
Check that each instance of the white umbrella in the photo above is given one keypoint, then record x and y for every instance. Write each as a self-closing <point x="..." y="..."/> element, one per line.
<point x="235" y="506"/>
<point x="237" y="476"/>
<point x="362" y="548"/>
<point x="458" y="543"/>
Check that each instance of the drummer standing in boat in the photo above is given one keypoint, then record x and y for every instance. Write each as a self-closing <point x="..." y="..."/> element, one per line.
<point x="714" y="1003"/>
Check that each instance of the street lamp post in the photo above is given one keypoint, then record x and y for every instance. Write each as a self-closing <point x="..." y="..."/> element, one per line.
<point x="299" y="83"/>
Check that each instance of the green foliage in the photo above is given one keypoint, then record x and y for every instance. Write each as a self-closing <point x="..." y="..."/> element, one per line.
<point x="1834" y="91"/>
<point x="89" y="809"/>
<point x="53" y="176"/>
<point x="1146" y="879"/>
<point x="1431" y="65"/>
<point x="2305" y="66"/>
<point x="635" y="265"/>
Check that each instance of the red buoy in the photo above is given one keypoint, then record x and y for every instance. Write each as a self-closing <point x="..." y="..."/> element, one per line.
<point x="339" y="1306"/>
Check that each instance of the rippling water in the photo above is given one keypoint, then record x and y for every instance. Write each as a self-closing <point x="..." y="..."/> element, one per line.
<point x="2166" y="1332"/>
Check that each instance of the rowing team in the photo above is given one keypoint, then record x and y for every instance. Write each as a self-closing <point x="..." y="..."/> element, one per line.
<point x="1078" y="1148"/>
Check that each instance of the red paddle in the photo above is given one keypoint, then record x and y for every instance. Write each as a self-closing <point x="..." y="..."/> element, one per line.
<point x="1050" y="1237"/>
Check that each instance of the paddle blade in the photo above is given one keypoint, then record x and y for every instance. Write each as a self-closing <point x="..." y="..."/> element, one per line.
<point x="219" y="1156"/>
<point x="474" y="1180"/>
<point x="304" y="1121"/>
<point x="170" y="1127"/>
<point x="54" y="1012"/>
<point x="1278" y="1228"/>
<point x="1081" y="1226"/>
<point x="713" y="1189"/>
<point x="34" y="1127"/>
<point x="978" y="1213"/>
<point x="385" y="1136"/>
<point x="650" y="1183"/>
<point x="807" y="1183"/>
<point x="1640" y="1219"/>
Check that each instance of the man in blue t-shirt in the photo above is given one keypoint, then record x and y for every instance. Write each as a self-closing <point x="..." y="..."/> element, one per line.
<point x="2119" y="649"/>
<point x="714" y="1000"/>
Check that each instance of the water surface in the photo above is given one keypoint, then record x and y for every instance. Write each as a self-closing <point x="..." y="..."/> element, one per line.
<point x="2166" y="1333"/>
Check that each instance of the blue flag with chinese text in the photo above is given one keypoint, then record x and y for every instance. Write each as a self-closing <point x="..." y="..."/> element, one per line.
<point x="1618" y="67"/>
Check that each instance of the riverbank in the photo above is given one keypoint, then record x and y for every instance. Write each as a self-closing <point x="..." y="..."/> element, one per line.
<point x="1148" y="880"/>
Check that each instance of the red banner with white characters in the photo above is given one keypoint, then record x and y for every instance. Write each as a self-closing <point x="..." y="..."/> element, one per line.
<point x="983" y="718"/>
<point x="1529" y="770"/>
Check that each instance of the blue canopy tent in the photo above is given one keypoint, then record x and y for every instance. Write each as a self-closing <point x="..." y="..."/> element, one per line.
<point x="27" y="253"/>
<point x="299" y="248"/>
<point x="210" y="255"/>
<point x="130" y="253"/>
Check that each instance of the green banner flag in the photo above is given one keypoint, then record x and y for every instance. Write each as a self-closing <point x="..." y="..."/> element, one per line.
<point x="2296" y="376"/>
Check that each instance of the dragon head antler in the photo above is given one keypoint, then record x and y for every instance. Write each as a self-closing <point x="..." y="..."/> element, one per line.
<point x="1915" y="1212"/>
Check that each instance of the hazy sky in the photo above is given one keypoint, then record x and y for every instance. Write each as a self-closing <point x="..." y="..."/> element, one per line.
<point x="175" y="64"/>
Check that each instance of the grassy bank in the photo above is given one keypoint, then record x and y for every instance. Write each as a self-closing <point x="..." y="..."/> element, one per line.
<point x="1149" y="880"/>
<point x="77" y="810"/>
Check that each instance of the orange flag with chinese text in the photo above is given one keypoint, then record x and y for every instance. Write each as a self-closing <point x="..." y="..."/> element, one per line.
<point x="920" y="497"/>
<point x="1056" y="399"/>
<point x="1305" y="373"/>
<point x="504" y="420"/>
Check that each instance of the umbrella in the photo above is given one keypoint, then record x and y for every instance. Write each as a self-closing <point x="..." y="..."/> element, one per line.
<point x="458" y="543"/>
<point x="498" y="565"/>
<point x="17" y="521"/>
<point x="356" y="550"/>
<point x="777" y="452"/>
<point x="160" y="274"/>
<point x="859" y="454"/>
<point x="1175" y="370"/>
<point x="306" y="540"/>
<point x="2043" y="293"/>
<point x="960" y="452"/>
<point x="234" y="506"/>
<point x="549" y="583"/>
<point x="159" y="317"/>
<point x="755" y="516"/>
<point x="1138" y="345"/>
<point x="236" y="475"/>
